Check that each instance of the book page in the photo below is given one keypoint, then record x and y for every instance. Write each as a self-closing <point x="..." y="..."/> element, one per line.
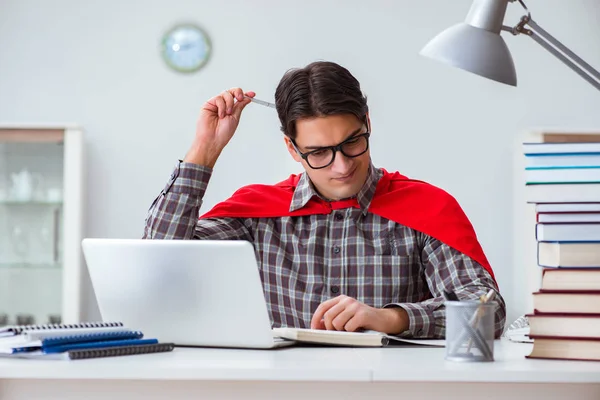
<point x="321" y="332"/>
<point x="293" y="332"/>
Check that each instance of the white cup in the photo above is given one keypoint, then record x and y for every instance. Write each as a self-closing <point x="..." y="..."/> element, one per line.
<point x="54" y="195"/>
<point x="24" y="184"/>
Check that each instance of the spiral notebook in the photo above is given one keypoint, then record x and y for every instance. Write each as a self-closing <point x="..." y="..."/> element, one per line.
<point x="81" y="354"/>
<point x="19" y="344"/>
<point x="19" y="329"/>
<point x="27" y="333"/>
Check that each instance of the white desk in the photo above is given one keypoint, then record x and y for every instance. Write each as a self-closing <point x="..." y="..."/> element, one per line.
<point x="301" y="373"/>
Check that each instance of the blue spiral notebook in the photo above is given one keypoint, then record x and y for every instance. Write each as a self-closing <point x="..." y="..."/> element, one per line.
<point x="96" y="345"/>
<point x="66" y="342"/>
<point x="93" y="337"/>
<point x="114" y="351"/>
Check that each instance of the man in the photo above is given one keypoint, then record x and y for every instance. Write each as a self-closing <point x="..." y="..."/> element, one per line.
<point x="344" y="245"/>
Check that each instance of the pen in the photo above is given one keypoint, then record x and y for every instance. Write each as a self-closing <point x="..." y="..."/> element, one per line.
<point x="261" y="102"/>
<point x="483" y="299"/>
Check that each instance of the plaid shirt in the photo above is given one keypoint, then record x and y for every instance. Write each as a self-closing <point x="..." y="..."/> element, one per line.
<point x="306" y="260"/>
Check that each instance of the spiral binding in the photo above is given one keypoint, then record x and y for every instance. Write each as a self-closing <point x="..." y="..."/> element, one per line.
<point x="26" y="328"/>
<point x="520" y="323"/>
<point x="120" y="351"/>
<point x="102" y="336"/>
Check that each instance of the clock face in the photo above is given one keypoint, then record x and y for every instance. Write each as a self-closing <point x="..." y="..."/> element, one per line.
<point x="186" y="48"/>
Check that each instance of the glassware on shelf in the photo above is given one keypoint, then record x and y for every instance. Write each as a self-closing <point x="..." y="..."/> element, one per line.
<point x="20" y="243"/>
<point x="54" y="195"/>
<point x="26" y="185"/>
<point x="25" y="319"/>
<point x="54" y="319"/>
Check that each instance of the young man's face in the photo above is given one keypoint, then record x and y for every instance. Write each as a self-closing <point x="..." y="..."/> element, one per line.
<point x="345" y="176"/>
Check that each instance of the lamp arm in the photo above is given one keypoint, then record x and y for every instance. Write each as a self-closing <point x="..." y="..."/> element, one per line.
<point x="585" y="73"/>
<point x="530" y="28"/>
<point x="552" y="40"/>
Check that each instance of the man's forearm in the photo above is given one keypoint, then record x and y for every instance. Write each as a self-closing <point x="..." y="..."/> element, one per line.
<point x="427" y="319"/>
<point x="202" y="155"/>
<point x="174" y="213"/>
<point x="396" y="320"/>
<point x="421" y="319"/>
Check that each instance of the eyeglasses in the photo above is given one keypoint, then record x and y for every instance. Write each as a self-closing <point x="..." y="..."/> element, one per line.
<point x="323" y="157"/>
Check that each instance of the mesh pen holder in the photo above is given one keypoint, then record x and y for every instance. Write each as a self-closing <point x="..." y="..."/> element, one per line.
<point x="470" y="331"/>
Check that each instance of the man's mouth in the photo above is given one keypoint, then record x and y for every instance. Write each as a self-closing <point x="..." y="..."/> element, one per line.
<point x="346" y="177"/>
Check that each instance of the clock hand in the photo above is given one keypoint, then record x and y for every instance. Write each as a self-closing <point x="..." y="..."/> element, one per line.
<point x="180" y="47"/>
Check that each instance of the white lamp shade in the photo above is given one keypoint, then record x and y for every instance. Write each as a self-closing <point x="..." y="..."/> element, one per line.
<point x="475" y="50"/>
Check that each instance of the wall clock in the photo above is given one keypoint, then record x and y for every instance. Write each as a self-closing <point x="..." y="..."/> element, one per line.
<point x="186" y="48"/>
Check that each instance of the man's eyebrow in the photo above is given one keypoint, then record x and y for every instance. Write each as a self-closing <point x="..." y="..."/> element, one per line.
<point x="356" y="132"/>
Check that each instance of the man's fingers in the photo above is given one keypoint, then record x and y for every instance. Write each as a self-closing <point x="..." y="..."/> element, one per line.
<point x="239" y="107"/>
<point x="321" y="325"/>
<point x="237" y="92"/>
<point x="331" y="314"/>
<point x="340" y="321"/>
<point x="221" y="106"/>
<point x="242" y="101"/>
<point x="321" y="310"/>
<point x="355" y="323"/>
<point x="228" y="97"/>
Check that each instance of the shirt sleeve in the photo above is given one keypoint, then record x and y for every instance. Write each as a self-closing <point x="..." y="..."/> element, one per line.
<point x="174" y="213"/>
<point x="445" y="268"/>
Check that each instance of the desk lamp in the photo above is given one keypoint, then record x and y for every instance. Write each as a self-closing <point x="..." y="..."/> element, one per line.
<point x="476" y="45"/>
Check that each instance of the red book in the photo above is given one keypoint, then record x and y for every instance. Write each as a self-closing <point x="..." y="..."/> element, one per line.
<point x="566" y="301"/>
<point x="565" y="348"/>
<point x="572" y="279"/>
<point x="564" y="325"/>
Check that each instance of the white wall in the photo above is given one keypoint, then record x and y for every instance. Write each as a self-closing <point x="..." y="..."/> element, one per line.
<point x="97" y="64"/>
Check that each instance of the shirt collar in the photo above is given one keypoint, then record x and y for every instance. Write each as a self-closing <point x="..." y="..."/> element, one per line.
<point x="305" y="191"/>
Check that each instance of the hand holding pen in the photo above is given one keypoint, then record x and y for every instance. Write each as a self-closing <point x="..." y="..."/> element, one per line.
<point x="218" y="121"/>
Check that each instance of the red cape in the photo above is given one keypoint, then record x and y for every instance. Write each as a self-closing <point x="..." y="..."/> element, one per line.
<point x="412" y="203"/>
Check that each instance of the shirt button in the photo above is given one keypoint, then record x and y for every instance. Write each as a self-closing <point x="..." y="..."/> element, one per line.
<point x="339" y="217"/>
<point x="336" y="249"/>
<point x="335" y="289"/>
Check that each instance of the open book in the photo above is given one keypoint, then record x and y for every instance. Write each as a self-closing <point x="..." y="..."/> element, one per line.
<point x="341" y="338"/>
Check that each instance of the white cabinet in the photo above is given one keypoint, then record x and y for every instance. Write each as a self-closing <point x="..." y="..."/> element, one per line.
<point x="41" y="223"/>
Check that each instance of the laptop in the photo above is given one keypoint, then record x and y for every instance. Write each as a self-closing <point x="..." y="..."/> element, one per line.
<point x="189" y="292"/>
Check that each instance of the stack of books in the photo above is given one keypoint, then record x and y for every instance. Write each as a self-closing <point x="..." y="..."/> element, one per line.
<point x="76" y="341"/>
<point x="563" y="182"/>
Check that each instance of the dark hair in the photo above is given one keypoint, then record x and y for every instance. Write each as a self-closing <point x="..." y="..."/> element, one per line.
<point x="321" y="88"/>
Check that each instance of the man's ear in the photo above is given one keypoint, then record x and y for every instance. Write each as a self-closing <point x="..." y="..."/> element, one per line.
<point x="368" y="122"/>
<point x="291" y="149"/>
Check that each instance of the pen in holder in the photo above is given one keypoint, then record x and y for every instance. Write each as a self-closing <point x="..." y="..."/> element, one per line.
<point x="470" y="328"/>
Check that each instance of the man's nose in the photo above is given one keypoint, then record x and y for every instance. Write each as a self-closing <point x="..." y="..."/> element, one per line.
<point x="341" y="164"/>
